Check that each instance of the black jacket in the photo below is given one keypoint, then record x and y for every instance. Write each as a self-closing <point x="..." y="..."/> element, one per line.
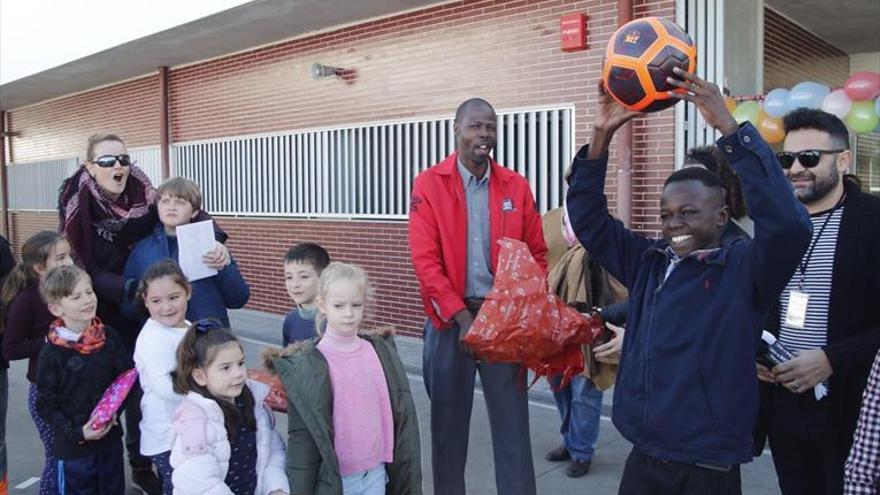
<point x="853" y="319"/>
<point x="69" y="386"/>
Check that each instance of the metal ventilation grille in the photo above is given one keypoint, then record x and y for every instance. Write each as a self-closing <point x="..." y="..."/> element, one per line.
<point x="704" y="22"/>
<point x="363" y="171"/>
<point x="34" y="186"/>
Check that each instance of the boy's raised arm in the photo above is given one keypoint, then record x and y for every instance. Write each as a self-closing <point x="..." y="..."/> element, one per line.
<point x="603" y="236"/>
<point x="782" y="226"/>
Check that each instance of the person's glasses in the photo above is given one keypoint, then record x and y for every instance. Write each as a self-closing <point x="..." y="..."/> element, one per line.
<point x="107" y="161"/>
<point x="807" y="158"/>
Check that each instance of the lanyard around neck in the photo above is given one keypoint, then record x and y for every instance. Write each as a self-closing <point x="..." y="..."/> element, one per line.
<point x="805" y="262"/>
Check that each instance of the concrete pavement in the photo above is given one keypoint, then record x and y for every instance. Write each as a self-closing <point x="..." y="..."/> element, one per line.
<point x="759" y="477"/>
<point x="258" y="329"/>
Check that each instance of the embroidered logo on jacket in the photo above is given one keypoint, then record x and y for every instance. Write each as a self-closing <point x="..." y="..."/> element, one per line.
<point x="507" y="205"/>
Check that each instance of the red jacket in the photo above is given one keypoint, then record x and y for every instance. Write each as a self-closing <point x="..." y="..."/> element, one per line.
<point x="438" y="231"/>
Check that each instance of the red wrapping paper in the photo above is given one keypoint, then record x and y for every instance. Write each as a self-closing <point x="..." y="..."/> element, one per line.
<point x="277" y="398"/>
<point x="521" y="321"/>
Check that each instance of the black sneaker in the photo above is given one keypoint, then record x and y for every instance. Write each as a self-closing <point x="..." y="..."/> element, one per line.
<point x="558" y="454"/>
<point x="145" y="480"/>
<point x="576" y="469"/>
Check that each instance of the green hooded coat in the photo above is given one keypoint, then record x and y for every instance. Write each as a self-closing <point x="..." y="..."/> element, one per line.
<point x="311" y="458"/>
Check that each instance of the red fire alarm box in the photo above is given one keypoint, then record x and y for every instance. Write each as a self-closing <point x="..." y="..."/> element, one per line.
<point x="573" y="32"/>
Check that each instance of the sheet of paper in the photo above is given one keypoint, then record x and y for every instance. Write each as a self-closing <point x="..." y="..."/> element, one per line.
<point x="193" y="241"/>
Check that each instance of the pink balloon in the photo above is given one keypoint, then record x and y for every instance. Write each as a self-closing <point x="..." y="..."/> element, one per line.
<point x="862" y="86"/>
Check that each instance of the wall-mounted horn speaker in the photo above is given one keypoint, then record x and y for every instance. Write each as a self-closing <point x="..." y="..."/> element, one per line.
<point x="318" y="71"/>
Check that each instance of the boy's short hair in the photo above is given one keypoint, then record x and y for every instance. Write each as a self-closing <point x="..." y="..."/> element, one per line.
<point x="701" y="175"/>
<point x="714" y="160"/>
<point x="310" y="253"/>
<point x="707" y="178"/>
<point x="60" y="282"/>
<point x="181" y="187"/>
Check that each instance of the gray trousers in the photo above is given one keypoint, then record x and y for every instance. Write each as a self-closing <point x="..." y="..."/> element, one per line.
<point x="449" y="377"/>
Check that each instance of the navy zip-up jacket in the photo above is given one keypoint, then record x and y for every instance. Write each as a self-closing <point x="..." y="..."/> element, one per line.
<point x="687" y="389"/>
<point x="210" y="296"/>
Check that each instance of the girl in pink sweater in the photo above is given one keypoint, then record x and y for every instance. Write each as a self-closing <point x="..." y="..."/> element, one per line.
<point x="363" y="428"/>
<point x="349" y="400"/>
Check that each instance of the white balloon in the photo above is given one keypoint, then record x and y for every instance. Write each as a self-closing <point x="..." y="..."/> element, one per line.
<point x="837" y="103"/>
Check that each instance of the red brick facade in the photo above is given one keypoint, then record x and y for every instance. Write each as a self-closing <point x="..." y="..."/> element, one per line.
<point x="22" y="225"/>
<point x="417" y="64"/>
<point x="792" y="55"/>
<point x="60" y="128"/>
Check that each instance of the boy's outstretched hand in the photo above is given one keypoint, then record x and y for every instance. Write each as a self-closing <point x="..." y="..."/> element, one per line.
<point x="708" y="99"/>
<point x="610" y="116"/>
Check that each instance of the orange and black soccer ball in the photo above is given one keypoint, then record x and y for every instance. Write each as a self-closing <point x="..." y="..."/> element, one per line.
<point x="639" y="58"/>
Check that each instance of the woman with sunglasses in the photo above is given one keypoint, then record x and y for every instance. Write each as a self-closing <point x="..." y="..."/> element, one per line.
<point x="105" y="207"/>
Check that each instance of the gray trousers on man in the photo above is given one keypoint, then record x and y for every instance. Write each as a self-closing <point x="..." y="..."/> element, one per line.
<point x="449" y="377"/>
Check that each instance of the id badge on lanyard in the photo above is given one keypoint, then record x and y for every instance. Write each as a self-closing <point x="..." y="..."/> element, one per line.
<point x="796" y="315"/>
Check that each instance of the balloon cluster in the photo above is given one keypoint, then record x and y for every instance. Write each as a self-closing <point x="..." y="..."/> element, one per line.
<point x="857" y="103"/>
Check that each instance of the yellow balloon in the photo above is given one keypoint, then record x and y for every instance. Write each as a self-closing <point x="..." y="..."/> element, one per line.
<point x="770" y="128"/>
<point x="730" y="103"/>
<point x="748" y="110"/>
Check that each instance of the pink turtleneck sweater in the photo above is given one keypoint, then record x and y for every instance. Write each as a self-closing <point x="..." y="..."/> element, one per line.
<point x="363" y="426"/>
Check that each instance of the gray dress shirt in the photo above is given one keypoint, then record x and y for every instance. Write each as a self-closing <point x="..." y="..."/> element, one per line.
<point x="479" y="277"/>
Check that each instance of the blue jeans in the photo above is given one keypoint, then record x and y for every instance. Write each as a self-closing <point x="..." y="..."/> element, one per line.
<point x="370" y="482"/>
<point x="579" y="405"/>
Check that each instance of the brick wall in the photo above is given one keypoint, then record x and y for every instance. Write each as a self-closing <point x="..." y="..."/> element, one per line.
<point x="61" y="128"/>
<point x="792" y="55"/>
<point x="379" y="247"/>
<point x="421" y="63"/>
<point x="22" y="225"/>
<point x="417" y="64"/>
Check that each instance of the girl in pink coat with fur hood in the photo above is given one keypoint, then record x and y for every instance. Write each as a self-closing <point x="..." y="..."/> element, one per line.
<point x="225" y="441"/>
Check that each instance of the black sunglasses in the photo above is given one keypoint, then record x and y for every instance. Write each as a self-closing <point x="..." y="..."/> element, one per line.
<point x="807" y="158"/>
<point x="107" y="161"/>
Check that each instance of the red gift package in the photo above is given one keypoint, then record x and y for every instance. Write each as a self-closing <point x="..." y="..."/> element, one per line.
<point x="521" y="321"/>
<point x="277" y="398"/>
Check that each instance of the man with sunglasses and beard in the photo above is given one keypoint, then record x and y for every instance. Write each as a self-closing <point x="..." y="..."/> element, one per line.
<point x="827" y="314"/>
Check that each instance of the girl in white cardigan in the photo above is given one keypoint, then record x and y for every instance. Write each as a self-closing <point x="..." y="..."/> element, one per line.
<point x="224" y="439"/>
<point x="164" y="292"/>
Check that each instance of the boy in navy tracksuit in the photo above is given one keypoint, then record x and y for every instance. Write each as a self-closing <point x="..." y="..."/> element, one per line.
<point x="178" y="202"/>
<point x="686" y="394"/>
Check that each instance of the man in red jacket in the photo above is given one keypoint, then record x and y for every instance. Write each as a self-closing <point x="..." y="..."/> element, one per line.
<point x="460" y="208"/>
